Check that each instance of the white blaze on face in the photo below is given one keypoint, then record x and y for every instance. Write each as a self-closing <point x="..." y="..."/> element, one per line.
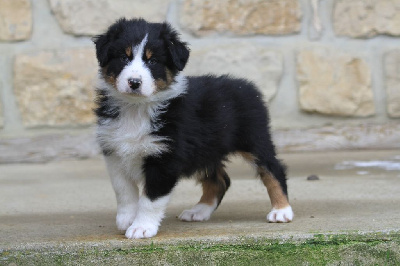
<point x="137" y="69"/>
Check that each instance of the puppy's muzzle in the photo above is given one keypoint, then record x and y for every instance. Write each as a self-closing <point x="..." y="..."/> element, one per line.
<point x="134" y="83"/>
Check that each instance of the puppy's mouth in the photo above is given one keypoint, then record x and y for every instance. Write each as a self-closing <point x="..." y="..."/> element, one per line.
<point x="132" y="93"/>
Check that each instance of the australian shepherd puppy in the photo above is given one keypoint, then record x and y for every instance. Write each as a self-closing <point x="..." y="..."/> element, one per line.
<point x="156" y="125"/>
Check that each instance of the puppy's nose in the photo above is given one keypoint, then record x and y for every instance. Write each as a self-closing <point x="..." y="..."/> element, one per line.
<point x="134" y="83"/>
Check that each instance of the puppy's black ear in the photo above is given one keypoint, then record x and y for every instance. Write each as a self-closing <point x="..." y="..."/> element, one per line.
<point x="178" y="50"/>
<point x="102" y="46"/>
<point x="104" y="41"/>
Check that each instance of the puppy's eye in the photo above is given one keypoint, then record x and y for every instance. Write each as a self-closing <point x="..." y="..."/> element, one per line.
<point x="152" y="61"/>
<point x="125" y="58"/>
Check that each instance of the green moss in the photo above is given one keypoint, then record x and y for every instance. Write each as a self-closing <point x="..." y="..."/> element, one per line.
<point x="373" y="249"/>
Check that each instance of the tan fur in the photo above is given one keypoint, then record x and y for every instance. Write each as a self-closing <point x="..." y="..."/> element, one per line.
<point x="210" y="192"/>
<point x="248" y="157"/>
<point x="163" y="84"/>
<point x="148" y="53"/>
<point x="278" y="199"/>
<point x="213" y="189"/>
<point x="128" y="51"/>
<point x="109" y="79"/>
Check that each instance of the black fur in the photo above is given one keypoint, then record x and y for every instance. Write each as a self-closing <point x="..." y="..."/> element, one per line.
<point x="216" y="117"/>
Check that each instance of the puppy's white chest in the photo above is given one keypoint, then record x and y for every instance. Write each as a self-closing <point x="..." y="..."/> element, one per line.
<point x="129" y="136"/>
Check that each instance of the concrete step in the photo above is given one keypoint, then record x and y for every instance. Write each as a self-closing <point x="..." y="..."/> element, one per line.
<point x="69" y="205"/>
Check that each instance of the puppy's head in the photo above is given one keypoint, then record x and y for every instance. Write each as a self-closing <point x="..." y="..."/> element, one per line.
<point x="139" y="58"/>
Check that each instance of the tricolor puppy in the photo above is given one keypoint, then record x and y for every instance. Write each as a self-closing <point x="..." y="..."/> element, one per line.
<point x="156" y="125"/>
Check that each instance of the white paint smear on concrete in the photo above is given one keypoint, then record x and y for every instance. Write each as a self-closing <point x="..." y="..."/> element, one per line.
<point x="385" y="165"/>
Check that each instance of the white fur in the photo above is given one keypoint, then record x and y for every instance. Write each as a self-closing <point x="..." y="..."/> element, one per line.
<point x="283" y="215"/>
<point x="199" y="212"/>
<point x="148" y="219"/>
<point x="130" y="140"/>
<point x="129" y="136"/>
<point x="137" y="69"/>
<point x="126" y="192"/>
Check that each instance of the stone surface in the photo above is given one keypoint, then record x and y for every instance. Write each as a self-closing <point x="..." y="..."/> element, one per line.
<point x="361" y="18"/>
<point x="392" y="74"/>
<point x="241" y="17"/>
<point x="338" y="137"/>
<point x="334" y="83"/>
<point x="254" y="62"/>
<point x="48" y="147"/>
<point x="91" y="17"/>
<point x="315" y="28"/>
<point x="1" y="114"/>
<point x="15" y="20"/>
<point x="56" y="88"/>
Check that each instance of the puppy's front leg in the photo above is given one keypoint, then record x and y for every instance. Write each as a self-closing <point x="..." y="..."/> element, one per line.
<point x="153" y="201"/>
<point x="148" y="219"/>
<point x="126" y="192"/>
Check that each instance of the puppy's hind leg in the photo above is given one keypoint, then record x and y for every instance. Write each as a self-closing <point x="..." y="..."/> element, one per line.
<point x="215" y="183"/>
<point x="273" y="176"/>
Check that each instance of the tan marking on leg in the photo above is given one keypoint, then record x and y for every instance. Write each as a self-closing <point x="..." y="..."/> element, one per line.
<point x="213" y="190"/>
<point x="278" y="199"/>
<point x="128" y="51"/>
<point x="148" y="53"/>
<point x="210" y="192"/>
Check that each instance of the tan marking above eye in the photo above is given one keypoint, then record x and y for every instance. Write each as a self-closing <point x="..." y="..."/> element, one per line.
<point x="128" y="51"/>
<point x="149" y="53"/>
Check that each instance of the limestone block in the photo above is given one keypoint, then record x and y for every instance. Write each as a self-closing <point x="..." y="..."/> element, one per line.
<point x="241" y="17"/>
<point x="56" y="88"/>
<point x="334" y="83"/>
<point x="257" y="63"/>
<point x="91" y="17"/>
<point x="392" y="74"/>
<point x="15" y="20"/>
<point x="361" y="18"/>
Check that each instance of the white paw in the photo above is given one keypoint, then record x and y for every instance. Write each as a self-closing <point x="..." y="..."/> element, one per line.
<point x="200" y="212"/>
<point x="141" y="230"/>
<point x="124" y="220"/>
<point x="284" y="215"/>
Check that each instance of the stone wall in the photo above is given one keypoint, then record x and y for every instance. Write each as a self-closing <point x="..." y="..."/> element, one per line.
<point x="329" y="69"/>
